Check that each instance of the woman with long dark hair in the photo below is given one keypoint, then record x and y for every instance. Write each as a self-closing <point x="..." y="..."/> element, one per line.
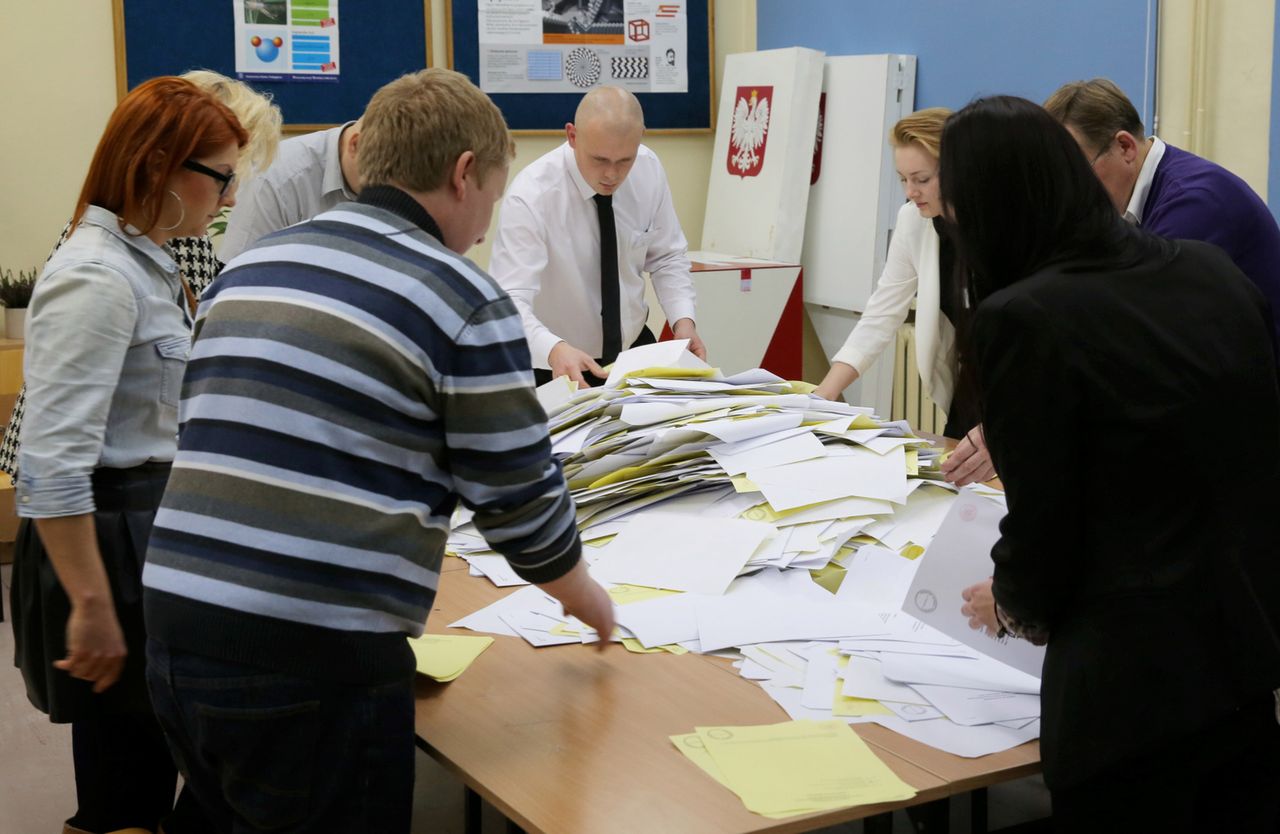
<point x="1143" y="554"/>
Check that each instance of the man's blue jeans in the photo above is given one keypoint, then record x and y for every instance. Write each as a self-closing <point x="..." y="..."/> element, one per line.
<point x="264" y="751"/>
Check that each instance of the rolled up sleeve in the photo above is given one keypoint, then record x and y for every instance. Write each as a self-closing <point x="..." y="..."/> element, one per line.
<point x="81" y="321"/>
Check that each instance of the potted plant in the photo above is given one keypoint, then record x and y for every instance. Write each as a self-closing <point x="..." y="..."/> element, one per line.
<point x="15" y="295"/>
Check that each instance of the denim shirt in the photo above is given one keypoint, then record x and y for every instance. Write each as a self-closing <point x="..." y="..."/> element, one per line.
<point x="107" y="343"/>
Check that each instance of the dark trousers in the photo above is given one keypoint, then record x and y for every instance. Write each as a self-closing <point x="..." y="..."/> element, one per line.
<point x="125" y="778"/>
<point x="265" y="751"/>
<point x="1224" y="777"/>
<point x="541" y="376"/>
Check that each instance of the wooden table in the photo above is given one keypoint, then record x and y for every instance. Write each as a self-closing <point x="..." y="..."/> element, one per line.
<point x="566" y="739"/>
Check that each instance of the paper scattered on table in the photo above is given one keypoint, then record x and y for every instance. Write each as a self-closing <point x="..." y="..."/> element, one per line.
<point x="681" y="552"/>
<point x="788" y="532"/>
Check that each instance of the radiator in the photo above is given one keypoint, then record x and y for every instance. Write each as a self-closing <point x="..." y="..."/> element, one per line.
<point x="910" y="402"/>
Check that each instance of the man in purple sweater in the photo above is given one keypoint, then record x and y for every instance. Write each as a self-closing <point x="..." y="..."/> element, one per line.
<point x="1166" y="190"/>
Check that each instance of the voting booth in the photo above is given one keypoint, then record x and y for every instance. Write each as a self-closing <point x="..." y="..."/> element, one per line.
<point x="757" y="196"/>
<point x="854" y="202"/>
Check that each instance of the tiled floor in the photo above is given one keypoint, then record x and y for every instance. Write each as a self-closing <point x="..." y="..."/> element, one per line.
<point x="37" y="790"/>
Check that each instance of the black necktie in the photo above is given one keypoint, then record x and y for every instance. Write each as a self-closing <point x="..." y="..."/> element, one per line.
<point x="610" y="312"/>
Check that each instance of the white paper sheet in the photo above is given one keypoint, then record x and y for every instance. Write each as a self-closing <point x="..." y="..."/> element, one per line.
<point x="488" y="619"/>
<point x="919" y="520"/>
<point x="535" y="629"/>
<point x="680" y="552"/>
<point x="912" y="712"/>
<point x="839" y="508"/>
<point x="735" y="431"/>
<point x="789" y="699"/>
<point x="661" y="621"/>
<point x="858" y="473"/>
<point x="959" y="556"/>
<point x="979" y="706"/>
<point x="762" y="615"/>
<point x="969" y="742"/>
<point x="980" y="673"/>
<point x="497" y="569"/>
<point x="862" y="678"/>
<point x="671" y="354"/>
<point x="791" y="450"/>
<point x="557" y="392"/>
<point x="877" y="578"/>
<point x="820" y="679"/>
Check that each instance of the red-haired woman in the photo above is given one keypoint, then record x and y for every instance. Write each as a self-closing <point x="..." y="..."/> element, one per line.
<point x="107" y="342"/>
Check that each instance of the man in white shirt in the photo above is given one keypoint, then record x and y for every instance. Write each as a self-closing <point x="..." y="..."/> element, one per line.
<point x="311" y="174"/>
<point x="581" y="305"/>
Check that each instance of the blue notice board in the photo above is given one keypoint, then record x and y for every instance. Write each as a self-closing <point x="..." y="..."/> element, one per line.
<point x="381" y="40"/>
<point x="692" y="111"/>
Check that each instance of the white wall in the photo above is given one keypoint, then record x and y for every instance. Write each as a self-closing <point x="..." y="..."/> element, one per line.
<point x="58" y="64"/>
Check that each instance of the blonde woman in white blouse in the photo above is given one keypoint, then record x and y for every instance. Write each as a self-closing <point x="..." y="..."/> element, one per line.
<point x="921" y="265"/>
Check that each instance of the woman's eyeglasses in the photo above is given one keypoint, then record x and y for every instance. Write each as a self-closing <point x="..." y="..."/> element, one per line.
<point x="225" y="179"/>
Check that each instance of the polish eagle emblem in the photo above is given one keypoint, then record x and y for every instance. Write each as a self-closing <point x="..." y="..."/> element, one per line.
<point x="749" y="131"/>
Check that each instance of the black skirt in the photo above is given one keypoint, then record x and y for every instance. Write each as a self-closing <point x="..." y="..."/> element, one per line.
<point x="126" y="502"/>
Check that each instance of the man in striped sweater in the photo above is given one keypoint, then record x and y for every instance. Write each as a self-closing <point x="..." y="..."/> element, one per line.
<point x="352" y="378"/>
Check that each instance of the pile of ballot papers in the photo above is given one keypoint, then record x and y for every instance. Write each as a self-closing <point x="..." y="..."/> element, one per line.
<point x="742" y="516"/>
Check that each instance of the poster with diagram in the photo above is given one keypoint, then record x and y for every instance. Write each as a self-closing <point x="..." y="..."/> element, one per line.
<point x="286" y="40"/>
<point x="570" y="46"/>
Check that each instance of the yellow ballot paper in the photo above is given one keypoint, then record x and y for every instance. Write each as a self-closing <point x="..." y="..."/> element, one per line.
<point x="690" y="744"/>
<point x="443" y="657"/>
<point x="799" y="767"/>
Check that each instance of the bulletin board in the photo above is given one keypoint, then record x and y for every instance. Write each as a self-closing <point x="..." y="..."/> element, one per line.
<point x="381" y="40"/>
<point x="545" y="113"/>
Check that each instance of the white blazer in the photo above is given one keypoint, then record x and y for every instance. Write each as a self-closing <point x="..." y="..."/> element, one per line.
<point x="910" y="271"/>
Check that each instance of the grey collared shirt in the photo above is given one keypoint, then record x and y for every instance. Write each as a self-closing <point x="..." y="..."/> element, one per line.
<point x="107" y="343"/>
<point x="305" y="180"/>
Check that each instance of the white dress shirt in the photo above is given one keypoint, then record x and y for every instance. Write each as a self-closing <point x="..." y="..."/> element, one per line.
<point x="911" y="271"/>
<point x="547" y="252"/>
<point x="304" y="180"/>
<point x="1141" y="188"/>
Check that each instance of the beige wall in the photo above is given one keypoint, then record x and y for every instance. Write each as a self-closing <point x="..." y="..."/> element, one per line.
<point x="53" y="117"/>
<point x="1234" y="68"/>
<point x="59" y="89"/>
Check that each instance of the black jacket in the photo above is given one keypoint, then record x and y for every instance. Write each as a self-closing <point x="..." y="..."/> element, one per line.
<point x="1134" y="418"/>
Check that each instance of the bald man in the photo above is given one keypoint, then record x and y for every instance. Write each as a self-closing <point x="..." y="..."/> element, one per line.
<point x="578" y="229"/>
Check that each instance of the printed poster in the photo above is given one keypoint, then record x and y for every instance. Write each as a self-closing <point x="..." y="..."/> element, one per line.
<point x="570" y="46"/>
<point x="286" y="40"/>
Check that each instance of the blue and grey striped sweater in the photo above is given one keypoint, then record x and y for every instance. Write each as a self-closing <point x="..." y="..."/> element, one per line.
<point x="350" y="380"/>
